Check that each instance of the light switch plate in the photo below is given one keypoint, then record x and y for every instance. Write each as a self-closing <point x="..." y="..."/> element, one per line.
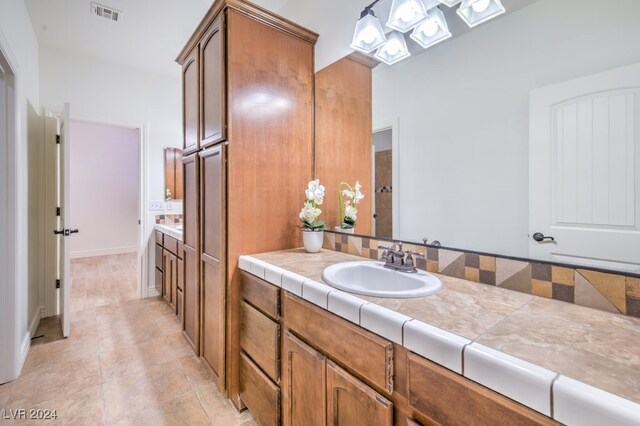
<point x="156" y="206"/>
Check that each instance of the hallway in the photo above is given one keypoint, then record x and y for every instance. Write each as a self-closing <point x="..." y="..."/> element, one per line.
<point x="126" y="361"/>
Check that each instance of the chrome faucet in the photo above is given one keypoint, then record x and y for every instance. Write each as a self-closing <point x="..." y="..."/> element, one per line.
<point x="397" y="259"/>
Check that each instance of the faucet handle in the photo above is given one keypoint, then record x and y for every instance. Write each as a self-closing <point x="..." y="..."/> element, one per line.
<point x="415" y="253"/>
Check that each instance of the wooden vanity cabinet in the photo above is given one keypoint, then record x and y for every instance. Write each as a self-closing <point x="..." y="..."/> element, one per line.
<point x="169" y="270"/>
<point x="238" y="89"/>
<point x="335" y="372"/>
<point x="260" y="349"/>
<point x="315" y="388"/>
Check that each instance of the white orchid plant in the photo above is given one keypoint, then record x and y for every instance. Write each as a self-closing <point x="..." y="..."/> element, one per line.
<point x="348" y="199"/>
<point x="310" y="212"/>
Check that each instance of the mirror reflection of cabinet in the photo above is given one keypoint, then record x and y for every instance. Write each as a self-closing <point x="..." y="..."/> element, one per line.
<point x="173" y="174"/>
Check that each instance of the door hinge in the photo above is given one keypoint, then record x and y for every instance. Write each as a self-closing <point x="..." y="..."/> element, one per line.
<point x="57" y="283"/>
<point x="58" y="139"/>
<point x="57" y="211"/>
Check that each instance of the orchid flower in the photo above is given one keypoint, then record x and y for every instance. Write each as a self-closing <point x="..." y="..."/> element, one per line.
<point x="310" y="212"/>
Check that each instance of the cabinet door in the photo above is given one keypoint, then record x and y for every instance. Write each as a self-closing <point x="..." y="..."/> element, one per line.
<point x="180" y="281"/>
<point x="351" y="402"/>
<point x="166" y="276"/>
<point x="191" y="295"/>
<point x="304" y="394"/>
<point x="212" y="84"/>
<point x="213" y="264"/>
<point x="190" y="103"/>
<point x="191" y="202"/>
<point x="173" y="300"/>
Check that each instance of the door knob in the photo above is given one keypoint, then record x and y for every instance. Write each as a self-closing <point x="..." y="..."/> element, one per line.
<point x="539" y="237"/>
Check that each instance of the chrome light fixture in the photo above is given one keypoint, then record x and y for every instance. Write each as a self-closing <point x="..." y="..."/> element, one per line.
<point x="475" y="12"/>
<point x="406" y="14"/>
<point x="368" y="35"/>
<point x="432" y="30"/>
<point x="450" y="3"/>
<point x="394" y="50"/>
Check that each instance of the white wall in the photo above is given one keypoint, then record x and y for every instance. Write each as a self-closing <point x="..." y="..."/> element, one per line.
<point x="112" y="94"/>
<point x="104" y="189"/>
<point x="463" y="115"/>
<point x="18" y="42"/>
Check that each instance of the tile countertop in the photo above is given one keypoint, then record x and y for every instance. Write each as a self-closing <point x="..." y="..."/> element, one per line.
<point x="563" y="346"/>
<point x="170" y="229"/>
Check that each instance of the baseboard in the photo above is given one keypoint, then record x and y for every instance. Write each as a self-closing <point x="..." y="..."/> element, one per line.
<point x="35" y="321"/>
<point x="26" y="340"/>
<point x="152" y="292"/>
<point x="103" y="252"/>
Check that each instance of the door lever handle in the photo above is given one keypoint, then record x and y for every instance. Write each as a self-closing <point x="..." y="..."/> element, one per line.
<point x="65" y="232"/>
<point x="539" y="237"/>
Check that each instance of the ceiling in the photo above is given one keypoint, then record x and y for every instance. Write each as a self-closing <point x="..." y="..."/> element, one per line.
<point x="149" y="36"/>
<point x="151" y="33"/>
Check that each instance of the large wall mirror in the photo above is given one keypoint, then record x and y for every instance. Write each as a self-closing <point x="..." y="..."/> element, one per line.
<point x="527" y="125"/>
<point x="173" y="174"/>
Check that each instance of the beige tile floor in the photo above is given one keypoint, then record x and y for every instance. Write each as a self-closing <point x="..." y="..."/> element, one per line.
<point x="125" y="362"/>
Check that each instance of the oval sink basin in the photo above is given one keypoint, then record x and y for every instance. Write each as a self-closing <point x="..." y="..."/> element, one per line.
<point x="373" y="279"/>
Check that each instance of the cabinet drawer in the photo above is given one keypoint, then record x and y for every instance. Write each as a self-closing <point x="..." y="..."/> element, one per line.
<point x="437" y="393"/>
<point x="159" y="236"/>
<point x="180" y="250"/>
<point x="258" y="393"/>
<point x="159" y="257"/>
<point x="363" y="353"/>
<point x="171" y="244"/>
<point x="260" y="339"/>
<point x="261" y="294"/>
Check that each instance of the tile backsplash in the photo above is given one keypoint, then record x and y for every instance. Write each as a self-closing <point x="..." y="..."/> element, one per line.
<point x="168" y="218"/>
<point x="603" y="290"/>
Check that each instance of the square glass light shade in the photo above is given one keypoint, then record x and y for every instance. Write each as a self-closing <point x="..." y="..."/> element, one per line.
<point x="394" y="50"/>
<point x="475" y="12"/>
<point x="432" y="30"/>
<point x="406" y="14"/>
<point x="368" y="35"/>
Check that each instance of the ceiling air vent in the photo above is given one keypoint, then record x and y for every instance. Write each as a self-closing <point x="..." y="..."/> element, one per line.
<point x="106" y="12"/>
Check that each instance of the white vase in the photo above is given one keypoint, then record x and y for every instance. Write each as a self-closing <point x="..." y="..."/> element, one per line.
<point x="345" y="230"/>
<point x="312" y="240"/>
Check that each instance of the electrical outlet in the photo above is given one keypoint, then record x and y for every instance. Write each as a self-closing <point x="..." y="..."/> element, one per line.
<point x="156" y="206"/>
<point x="168" y="205"/>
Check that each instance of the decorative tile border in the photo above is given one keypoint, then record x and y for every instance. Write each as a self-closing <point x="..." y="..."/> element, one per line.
<point x="168" y="218"/>
<point x="593" y="288"/>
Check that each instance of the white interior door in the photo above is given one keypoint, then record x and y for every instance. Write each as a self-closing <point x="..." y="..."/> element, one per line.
<point x="585" y="170"/>
<point x="64" y="231"/>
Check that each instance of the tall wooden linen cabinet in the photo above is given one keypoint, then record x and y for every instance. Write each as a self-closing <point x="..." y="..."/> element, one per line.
<point x="248" y="81"/>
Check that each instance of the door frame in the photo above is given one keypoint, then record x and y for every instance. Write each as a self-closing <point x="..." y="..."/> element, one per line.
<point x="392" y="124"/>
<point x="143" y="131"/>
<point x="13" y="309"/>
